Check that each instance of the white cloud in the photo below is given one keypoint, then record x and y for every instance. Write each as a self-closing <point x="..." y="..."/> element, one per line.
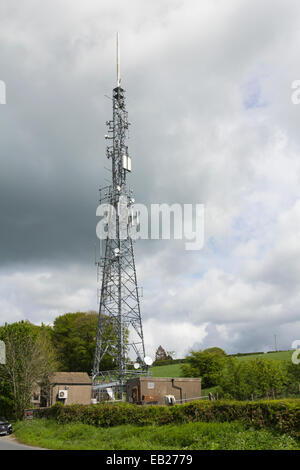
<point x="167" y="334"/>
<point x="40" y="296"/>
<point x="188" y="67"/>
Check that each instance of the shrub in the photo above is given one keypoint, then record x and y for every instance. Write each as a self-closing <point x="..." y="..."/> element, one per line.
<point x="281" y="415"/>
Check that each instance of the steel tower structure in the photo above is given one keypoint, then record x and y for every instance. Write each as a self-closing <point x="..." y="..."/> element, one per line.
<point x="119" y="309"/>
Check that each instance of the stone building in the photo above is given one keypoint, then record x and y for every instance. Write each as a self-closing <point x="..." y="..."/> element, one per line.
<point x="64" y="387"/>
<point x="155" y="390"/>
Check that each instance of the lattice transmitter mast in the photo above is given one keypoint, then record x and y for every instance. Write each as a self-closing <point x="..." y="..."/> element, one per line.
<point x="119" y="309"/>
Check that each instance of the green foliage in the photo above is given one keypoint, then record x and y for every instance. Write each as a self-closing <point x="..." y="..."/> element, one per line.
<point x="215" y="350"/>
<point x="280" y="415"/>
<point x="292" y="378"/>
<point x="74" y="338"/>
<point x="207" y="365"/>
<point x="196" y="436"/>
<point x="6" y="399"/>
<point x="289" y="388"/>
<point x="29" y="359"/>
<point x="243" y="380"/>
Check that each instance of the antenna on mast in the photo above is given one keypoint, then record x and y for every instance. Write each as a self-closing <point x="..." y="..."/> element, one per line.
<point x="119" y="307"/>
<point x="118" y="60"/>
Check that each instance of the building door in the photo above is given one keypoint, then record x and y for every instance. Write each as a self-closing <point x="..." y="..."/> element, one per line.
<point x="135" y="394"/>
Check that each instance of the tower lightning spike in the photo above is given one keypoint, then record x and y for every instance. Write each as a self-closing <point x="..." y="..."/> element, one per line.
<point x="118" y="60"/>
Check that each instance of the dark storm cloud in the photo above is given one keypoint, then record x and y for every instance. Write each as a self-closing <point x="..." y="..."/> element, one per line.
<point x="187" y="67"/>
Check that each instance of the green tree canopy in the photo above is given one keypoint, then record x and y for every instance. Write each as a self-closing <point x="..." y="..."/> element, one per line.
<point x="258" y="378"/>
<point x="207" y="365"/>
<point x="215" y="350"/>
<point x="292" y="377"/>
<point x="74" y="338"/>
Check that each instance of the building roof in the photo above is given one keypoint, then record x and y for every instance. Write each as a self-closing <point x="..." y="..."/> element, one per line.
<point x="70" y="378"/>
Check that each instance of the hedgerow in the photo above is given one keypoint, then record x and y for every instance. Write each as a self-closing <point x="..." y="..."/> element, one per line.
<point x="281" y="415"/>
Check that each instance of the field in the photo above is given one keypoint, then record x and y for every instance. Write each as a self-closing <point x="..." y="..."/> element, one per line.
<point x="197" y="436"/>
<point x="277" y="356"/>
<point x="175" y="370"/>
<point x="167" y="371"/>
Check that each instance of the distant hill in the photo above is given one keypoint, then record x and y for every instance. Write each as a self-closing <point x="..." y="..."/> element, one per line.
<point x="174" y="370"/>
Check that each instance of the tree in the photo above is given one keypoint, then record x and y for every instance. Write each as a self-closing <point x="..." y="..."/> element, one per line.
<point x="254" y="379"/>
<point x="235" y="381"/>
<point x="74" y="338"/>
<point x="292" y="377"/>
<point x="207" y="365"/>
<point x="30" y="359"/>
<point x="269" y="376"/>
<point x="162" y="355"/>
<point x="6" y="399"/>
<point x="215" y="350"/>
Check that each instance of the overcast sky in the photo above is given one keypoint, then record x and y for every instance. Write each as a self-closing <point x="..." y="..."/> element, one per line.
<point x="209" y="98"/>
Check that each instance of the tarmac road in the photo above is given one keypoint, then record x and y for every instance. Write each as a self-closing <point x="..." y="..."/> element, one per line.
<point x="11" y="443"/>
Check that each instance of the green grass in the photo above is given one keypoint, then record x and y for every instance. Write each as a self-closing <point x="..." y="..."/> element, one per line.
<point x="174" y="370"/>
<point x="198" y="436"/>
<point x="276" y="356"/>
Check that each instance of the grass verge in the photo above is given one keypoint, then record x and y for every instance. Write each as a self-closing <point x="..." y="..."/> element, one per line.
<point x="197" y="436"/>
